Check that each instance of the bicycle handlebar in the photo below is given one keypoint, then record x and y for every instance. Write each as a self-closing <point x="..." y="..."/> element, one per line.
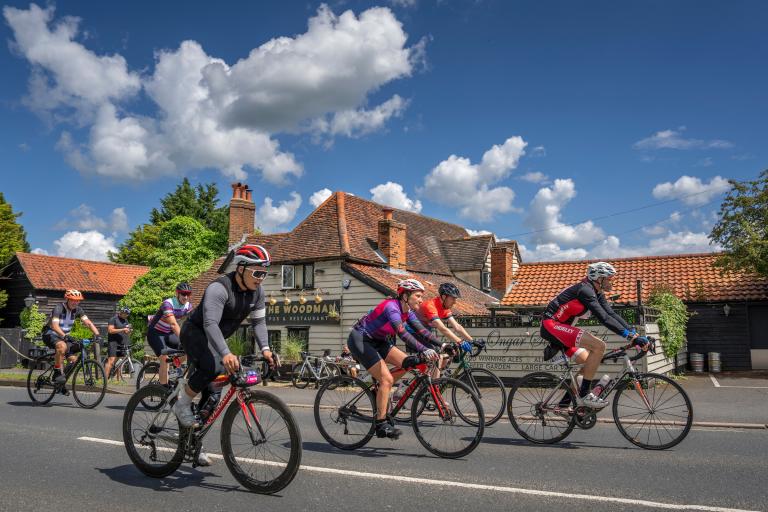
<point x="621" y="352"/>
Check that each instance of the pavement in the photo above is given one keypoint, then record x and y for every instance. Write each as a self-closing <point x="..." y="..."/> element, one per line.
<point x="73" y="457"/>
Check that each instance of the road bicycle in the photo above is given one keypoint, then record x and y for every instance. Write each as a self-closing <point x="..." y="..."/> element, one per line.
<point x="650" y="410"/>
<point x="150" y="374"/>
<point x="345" y="409"/>
<point x="260" y="439"/>
<point x="86" y="376"/>
<point x="305" y="372"/>
<point x="125" y="367"/>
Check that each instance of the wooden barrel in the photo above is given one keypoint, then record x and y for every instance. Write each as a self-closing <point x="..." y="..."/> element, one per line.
<point x="697" y="362"/>
<point x="714" y="362"/>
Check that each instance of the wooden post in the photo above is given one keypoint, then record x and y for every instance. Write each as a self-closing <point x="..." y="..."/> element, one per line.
<point x="640" y="313"/>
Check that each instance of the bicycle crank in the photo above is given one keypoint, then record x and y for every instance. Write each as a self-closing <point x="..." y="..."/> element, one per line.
<point x="585" y="418"/>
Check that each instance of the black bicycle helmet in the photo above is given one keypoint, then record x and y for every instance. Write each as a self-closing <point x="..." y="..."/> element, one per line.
<point x="449" y="289"/>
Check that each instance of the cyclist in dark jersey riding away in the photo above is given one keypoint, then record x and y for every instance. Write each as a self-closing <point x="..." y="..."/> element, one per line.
<point x="372" y="341"/>
<point x="583" y="300"/>
<point x="227" y="301"/>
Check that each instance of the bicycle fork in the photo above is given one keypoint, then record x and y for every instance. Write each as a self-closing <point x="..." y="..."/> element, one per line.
<point x="249" y="412"/>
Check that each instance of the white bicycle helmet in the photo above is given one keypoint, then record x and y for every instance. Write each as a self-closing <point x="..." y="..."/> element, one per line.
<point x="409" y="285"/>
<point x="600" y="269"/>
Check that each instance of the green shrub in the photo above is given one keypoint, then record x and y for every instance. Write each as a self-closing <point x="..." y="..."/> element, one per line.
<point x="292" y="349"/>
<point x="672" y="320"/>
<point x="32" y="321"/>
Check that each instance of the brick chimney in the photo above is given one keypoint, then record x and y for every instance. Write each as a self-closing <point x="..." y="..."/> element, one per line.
<point x="392" y="242"/>
<point x="504" y="266"/>
<point x="242" y="213"/>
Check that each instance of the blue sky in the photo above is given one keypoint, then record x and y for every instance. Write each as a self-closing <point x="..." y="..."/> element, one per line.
<point x="537" y="121"/>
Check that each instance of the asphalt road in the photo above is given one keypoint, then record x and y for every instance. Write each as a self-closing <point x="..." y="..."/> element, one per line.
<point x="45" y="464"/>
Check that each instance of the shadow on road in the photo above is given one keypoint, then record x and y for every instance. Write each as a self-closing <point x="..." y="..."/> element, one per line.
<point x="367" y="452"/>
<point x="508" y="441"/>
<point x="50" y="404"/>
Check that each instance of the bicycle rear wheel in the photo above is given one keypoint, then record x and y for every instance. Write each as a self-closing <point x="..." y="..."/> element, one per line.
<point x="89" y="384"/>
<point x="344" y="412"/>
<point x="125" y="372"/>
<point x="300" y="376"/>
<point x="652" y="411"/>
<point x="152" y="436"/>
<point x="446" y="431"/>
<point x="489" y="389"/>
<point x="262" y="451"/>
<point x="534" y="410"/>
<point x="40" y="385"/>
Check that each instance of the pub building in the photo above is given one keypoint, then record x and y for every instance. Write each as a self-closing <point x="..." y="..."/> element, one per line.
<point x="349" y="254"/>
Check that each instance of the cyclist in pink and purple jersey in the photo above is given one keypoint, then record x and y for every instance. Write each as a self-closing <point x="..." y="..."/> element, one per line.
<point x="163" y="330"/>
<point x="372" y="343"/>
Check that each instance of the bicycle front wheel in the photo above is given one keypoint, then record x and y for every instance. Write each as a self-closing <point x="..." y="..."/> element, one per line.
<point x="89" y="384"/>
<point x="149" y="374"/>
<point x="652" y="411"/>
<point x="446" y="431"/>
<point x="152" y="436"/>
<point x="262" y="450"/>
<point x="40" y="385"/>
<point x="300" y="375"/>
<point x="489" y="389"/>
<point x="129" y="369"/>
<point x="539" y="407"/>
<point x="344" y="412"/>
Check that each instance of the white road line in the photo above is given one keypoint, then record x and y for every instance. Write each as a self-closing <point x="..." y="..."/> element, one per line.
<point x="714" y="380"/>
<point x="482" y="487"/>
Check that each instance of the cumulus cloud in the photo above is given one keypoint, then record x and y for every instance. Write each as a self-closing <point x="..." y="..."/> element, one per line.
<point x="674" y="139"/>
<point x="538" y="151"/>
<point x="550" y="252"/>
<point x="118" y="220"/>
<point x="319" y="197"/>
<point x="208" y="113"/>
<point x="458" y="182"/>
<point x="85" y="219"/>
<point x="270" y="218"/>
<point x="544" y="217"/>
<point x="692" y="190"/>
<point x="87" y="245"/>
<point x="534" y="177"/>
<point x="39" y="250"/>
<point x="477" y="232"/>
<point x="392" y="194"/>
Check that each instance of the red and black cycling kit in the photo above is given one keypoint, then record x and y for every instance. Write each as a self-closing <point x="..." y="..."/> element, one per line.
<point x="578" y="301"/>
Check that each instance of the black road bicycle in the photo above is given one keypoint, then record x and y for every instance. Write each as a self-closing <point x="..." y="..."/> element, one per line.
<point x="86" y="377"/>
<point x="651" y="410"/>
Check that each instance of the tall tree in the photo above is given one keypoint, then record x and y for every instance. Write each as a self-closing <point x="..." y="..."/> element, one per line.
<point x="743" y="226"/>
<point x="199" y="203"/>
<point x="13" y="238"/>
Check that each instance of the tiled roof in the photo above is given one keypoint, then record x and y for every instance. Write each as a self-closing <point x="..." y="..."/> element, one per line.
<point x="57" y="273"/>
<point x="693" y="278"/>
<point x="347" y="226"/>
<point x="468" y="253"/>
<point x="203" y="280"/>
<point x="472" y="302"/>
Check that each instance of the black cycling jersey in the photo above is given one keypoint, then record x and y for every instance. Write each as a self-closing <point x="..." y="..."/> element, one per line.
<point x="66" y="317"/>
<point x="575" y="301"/>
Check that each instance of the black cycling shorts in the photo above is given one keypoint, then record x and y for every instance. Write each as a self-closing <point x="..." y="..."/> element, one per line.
<point x="115" y="349"/>
<point x="160" y="340"/>
<point x="207" y="365"/>
<point x="50" y="338"/>
<point x="367" y="351"/>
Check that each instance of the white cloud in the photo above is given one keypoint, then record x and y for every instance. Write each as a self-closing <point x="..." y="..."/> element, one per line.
<point x="544" y="216"/>
<point x="118" y="221"/>
<point x="534" y="177"/>
<point x="538" y="151"/>
<point x="209" y="113"/>
<point x="270" y="218"/>
<point x="83" y="218"/>
<point x="319" y="197"/>
<point x="392" y="194"/>
<point x="404" y="3"/>
<point x="550" y="252"/>
<point x="674" y="139"/>
<point x="477" y="232"/>
<point x="87" y="245"/>
<point x="458" y="182"/>
<point x="691" y="190"/>
<point x="38" y="250"/>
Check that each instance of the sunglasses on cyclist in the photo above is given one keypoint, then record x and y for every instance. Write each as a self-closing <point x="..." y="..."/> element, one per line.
<point x="184" y="294"/>
<point x="259" y="274"/>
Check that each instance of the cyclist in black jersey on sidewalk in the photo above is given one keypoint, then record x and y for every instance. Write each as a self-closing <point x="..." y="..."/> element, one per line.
<point x="227" y="301"/>
<point x="582" y="300"/>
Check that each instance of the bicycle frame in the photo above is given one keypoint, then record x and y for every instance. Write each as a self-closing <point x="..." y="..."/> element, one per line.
<point x="307" y="364"/>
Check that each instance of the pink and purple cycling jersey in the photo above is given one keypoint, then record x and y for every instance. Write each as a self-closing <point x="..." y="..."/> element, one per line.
<point x="170" y="307"/>
<point x="388" y="321"/>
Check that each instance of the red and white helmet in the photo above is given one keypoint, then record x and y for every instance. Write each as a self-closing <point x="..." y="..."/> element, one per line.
<point x="252" y="255"/>
<point x="409" y="285"/>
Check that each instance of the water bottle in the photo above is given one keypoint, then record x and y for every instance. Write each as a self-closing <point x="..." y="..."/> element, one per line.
<point x="398" y="394"/>
<point x="600" y="386"/>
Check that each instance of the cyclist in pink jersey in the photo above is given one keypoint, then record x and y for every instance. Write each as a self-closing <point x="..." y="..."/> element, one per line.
<point x="164" y="329"/>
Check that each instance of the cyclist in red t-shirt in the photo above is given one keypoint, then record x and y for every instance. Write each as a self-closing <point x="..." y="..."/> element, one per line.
<point x="436" y="313"/>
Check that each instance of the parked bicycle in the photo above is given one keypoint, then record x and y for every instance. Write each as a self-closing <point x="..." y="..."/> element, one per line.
<point x="345" y="409"/>
<point x="650" y="410"/>
<point x="318" y="372"/>
<point x="126" y="368"/>
<point x="86" y="375"/>
<point x="260" y="439"/>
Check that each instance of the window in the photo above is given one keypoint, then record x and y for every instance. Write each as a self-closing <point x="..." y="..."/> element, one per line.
<point x="298" y="277"/>
<point x="274" y="340"/>
<point x="485" y="280"/>
<point x="288" y="276"/>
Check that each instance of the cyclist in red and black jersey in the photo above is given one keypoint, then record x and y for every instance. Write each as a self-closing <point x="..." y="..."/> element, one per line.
<point x="582" y="300"/>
